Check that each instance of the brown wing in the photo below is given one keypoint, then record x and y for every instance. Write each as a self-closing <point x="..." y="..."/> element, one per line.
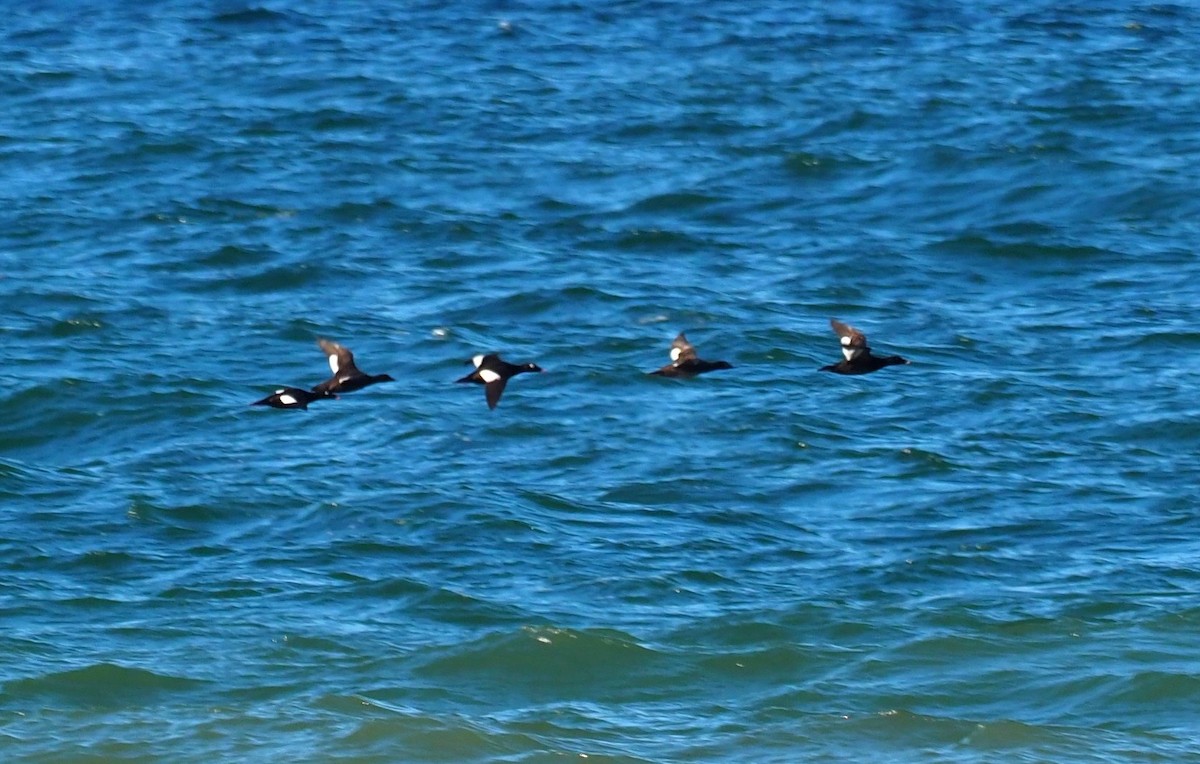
<point x="341" y="360"/>
<point x="681" y="350"/>
<point x="853" y="341"/>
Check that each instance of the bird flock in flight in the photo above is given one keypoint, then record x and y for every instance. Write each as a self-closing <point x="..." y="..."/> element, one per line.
<point x="493" y="372"/>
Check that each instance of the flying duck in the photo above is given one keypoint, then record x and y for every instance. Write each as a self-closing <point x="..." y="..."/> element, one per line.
<point x="494" y="373"/>
<point x="346" y="376"/>
<point x="684" y="363"/>
<point x="292" y="398"/>
<point x="858" y="358"/>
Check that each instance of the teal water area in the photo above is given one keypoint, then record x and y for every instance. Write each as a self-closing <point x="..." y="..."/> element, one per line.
<point x="987" y="555"/>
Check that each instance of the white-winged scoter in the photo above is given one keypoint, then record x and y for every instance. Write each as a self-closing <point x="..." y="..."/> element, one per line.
<point x="858" y="358"/>
<point x="493" y="373"/>
<point x="684" y="363"/>
<point x="292" y="398"/>
<point x="346" y="376"/>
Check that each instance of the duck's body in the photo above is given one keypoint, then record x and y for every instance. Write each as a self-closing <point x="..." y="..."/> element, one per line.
<point x="346" y="376"/>
<point x="684" y="363"/>
<point x="857" y="355"/>
<point x="292" y="398"/>
<point x="493" y="373"/>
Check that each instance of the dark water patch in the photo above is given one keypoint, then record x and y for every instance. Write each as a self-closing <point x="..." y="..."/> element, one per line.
<point x="324" y="647"/>
<point x="961" y="737"/>
<point x="95" y="607"/>
<point x="223" y="209"/>
<point x="397" y="589"/>
<point x="431" y="738"/>
<point x="923" y="463"/>
<point x="463" y="610"/>
<point x="290" y="277"/>
<point x="360" y="548"/>
<point x="678" y="490"/>
<point x="100" y="685"/>
<point x="522" y="303"/>
<point x="981" y="243"/>
<point x="215" y="592"/>
<point x="358" y="212"/>
<point x="79" y="324"/>
<point x="555" y="504"/>
<point x="544" y="662"/>
<point x="842" y="122"/>
<point x="806" y="165"/>
<point x="188" y="519"/>
<point x="653" y="240"/>
<point x="1148" y="689"/>
<point x="39" y="417"/>
<point x="254" y="17"/>
<point x="337" y="121"/>
<point x="672" y="202"/>
<point x="235" y="256"/>
<point x="151" y="145"/>
<point x="105" y="562"/>
<point x="40" y="79"/>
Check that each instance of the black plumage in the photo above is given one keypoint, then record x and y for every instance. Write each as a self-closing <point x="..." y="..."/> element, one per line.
<point x="493" y="373"/>
<point x="857" y="355"/>
<point x="292" y="398"/>
<point x="346" y="376"/>
<point x="684" y="363"/>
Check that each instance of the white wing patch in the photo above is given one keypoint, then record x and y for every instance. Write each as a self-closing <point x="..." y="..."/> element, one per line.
<point x="287" y="400"/>
<point x="333" y="363"/>
<point x="477" y="360"/>
<point x="488" y="376"/>
<point x="849" y="350"/>
<point x="675" y="353"/>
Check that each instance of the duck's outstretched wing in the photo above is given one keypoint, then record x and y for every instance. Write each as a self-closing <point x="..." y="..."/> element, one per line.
<point x="854" y="342"/>
<point x="341" y="360"/>
<point x="682" y="350"/>
<point x="494" y="390"/>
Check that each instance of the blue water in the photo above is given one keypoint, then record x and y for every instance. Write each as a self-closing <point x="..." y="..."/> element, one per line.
<point x="988" y="555"/>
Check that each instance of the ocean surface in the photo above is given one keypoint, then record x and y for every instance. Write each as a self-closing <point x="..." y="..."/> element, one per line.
<point x="989" y="555"/>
